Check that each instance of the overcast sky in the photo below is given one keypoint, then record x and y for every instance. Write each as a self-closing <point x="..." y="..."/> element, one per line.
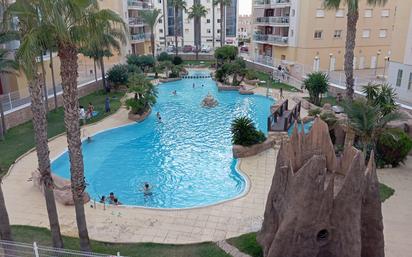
<point x="245" y="6"/>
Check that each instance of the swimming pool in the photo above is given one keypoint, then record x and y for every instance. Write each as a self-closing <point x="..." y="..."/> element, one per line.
<point x="187" y="158"/>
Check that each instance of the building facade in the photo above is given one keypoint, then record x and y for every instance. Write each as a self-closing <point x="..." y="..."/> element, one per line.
<point x="305" y="36"/>
<point x="400" y="62"/>
<point x="245" y="27"/>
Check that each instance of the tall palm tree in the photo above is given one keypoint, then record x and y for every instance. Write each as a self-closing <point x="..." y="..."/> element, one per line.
<point x="151" y="17"/>
<point x="178" y="5"/>
<point x="196" y="12"/>
<point x="351" y="24"/>
<point x="223" y="4"/>
<point x="213" y="25"/>
<point x="5" y="230"/>
<point x="31" y="45"/>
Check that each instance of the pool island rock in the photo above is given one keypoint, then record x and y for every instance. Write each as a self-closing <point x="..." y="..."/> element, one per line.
<point x="209" y="101"/>
<point x="139" y="117"/>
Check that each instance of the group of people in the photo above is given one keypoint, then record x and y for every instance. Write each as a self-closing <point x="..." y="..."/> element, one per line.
<point x="112" y="199"/>
<point x="282" y="72"/>
<point x="86" y="114"/>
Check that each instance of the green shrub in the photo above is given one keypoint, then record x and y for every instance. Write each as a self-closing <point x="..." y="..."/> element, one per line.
<point x="245" y="133"/>
<point x="143" y="61"/>
<point x="177" y="60"/>
<point x="330" y="118"/>
<point x="393" y="147"/>
<point x="162" y="57"/>
<point x="144" y="91"/>
<point x="251" y="75"/>
<point x="317" y="83"/>
<point x="314" y="112"/>
<point x="118" y="74"/>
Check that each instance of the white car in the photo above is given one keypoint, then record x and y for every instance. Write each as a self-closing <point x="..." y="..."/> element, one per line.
<point x="206" y="49"/>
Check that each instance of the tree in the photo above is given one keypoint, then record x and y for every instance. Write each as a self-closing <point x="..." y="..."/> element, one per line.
<point x="223" y="4"/>
<point x="382" y="96"/>
<point x="368" y="121"/>
<point x="226" y="54"/>
<point x="143" y="61"/>
<point x="118" y="74"/>
<point x="177" y="5"/>
<point x="5" y="230"/>
<point x="244" y="132"/>
<point x="144" y="91"/>
<point x="351" y="24"/>
<point x="151" y="17"/>
<point x="95" y="54"/>
<point x="317" y="83"/>
<point x="32" y="39"/>
<point x="196" y="12"/>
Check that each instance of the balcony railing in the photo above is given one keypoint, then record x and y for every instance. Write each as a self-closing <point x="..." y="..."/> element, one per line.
<point x="272" y="2"/>
<point x="283" y="20"/>
<point x="267" y="60"/>
<point x="136" y="21"/>
<point x="138" y="4"/>
<point x="139" y="37"/>
<point x="271" y="39"/>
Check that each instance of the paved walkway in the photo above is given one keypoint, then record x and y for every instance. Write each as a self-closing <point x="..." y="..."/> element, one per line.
<point x="230" y="249"/>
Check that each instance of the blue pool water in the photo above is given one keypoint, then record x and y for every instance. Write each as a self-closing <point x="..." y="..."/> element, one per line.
<point x="187" y="158"/>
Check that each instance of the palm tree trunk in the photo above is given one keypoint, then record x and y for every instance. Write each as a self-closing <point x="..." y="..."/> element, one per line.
<point x="176" y="30"/>
<point x="43" y="158"/>
<point x="352" y="21"/>
<point x="222" y="17"/>
<point x="104" y="75"/>
<point x="46" y="94"/>
<point x="213" y="26"/>
<point x="69" y="66"/>
<point x="2" y="122"/>
<point x="197" y="39"/>
<point x="152" y="42"/>
<point x="53" y="79"/>
<point x="5" y="230"/>
<point x="95" y="69"/>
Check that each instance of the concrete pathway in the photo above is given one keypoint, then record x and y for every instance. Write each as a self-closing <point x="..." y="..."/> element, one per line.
<point x="230" y="249"/>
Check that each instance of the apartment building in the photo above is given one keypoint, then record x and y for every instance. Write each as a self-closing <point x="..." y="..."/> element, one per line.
<point x="245" y="27"/>
<point x="306" y="37"/>
<point x="400" y="62"/>
<point x="165" y="29"/>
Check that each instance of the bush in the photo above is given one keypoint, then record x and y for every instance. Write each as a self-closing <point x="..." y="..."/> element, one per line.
<point x="393" y="147"/>
<point x="226" y="53"/>
<point x="143" y="61"/>
<point x="251" y="75"/>
<point x="162" y="57"/>
<point x="330" y="118"/>
<point x="314" y="112"/>
<point x="118" y="74"/>
<point x="144" y="91"/>
<point x="177" y="60"/>
<point x="245" y="133"/>
<point x="317" y="83"/>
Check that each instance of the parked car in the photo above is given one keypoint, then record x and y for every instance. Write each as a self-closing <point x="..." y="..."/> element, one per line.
<point x="244" y="49"/>
<point x="187" y="49"/>
<point x="170" y="48"/>
<point x="206" y="49"/>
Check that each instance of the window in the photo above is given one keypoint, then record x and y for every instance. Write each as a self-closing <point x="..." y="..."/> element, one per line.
<point x="399" y="78"/>
<point x="368" y="13"/>
<point x="160" y="20"/>
<point x="340" y="13"/>
<point x="366" y="33"/>
<point x="218" y="20"/>
<point x="159" y="1"/>
<point x="337" y="34"/>
<point x="320" y="13"/>
<point x="208" y="31"/>
<point x="318" y="34"/>
<point x="410" y="81"/>
<point x="385" y="13"/>
<point x="208" y="21"/>
<point x="160" y="31"/>
<point x="382" y="33"/>
<point x="186" y="30"/>
<point x="293" y="13"/>
<point x="218" y="31"/>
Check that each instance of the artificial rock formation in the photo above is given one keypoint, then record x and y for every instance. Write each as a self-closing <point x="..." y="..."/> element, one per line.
<point x="320" y="205"/>
<point x="209" y="101"/>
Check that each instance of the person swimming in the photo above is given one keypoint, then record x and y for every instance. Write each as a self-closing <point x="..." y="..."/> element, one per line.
<point x="193" y="85"/>
<point x="159" y="118"/>
<point x="102" y="199"/>
<point x="147" y="189"/>
<point x="174" y="92"/>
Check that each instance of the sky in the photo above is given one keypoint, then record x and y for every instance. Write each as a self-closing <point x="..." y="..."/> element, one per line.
<point x="245" y="6"/>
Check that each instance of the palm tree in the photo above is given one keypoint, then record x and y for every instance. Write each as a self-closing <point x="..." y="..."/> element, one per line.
<point x="5" y="229"/>
<point x="223" y="4"/>
<point x="196" y="12"/>
<point x="177" y="5"/>
<point x="32" y="39"/>
<point x="151" y="17"/>
<point x="213" y="25"/>
<point x="351" y="23"/>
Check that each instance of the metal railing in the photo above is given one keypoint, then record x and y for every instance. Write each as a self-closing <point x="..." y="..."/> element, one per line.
<point x="140" y="37"/>
<point x="16" y="249"/>
<point x="278" y="20"/>
<point x="139" y="4"/>
<point x="274" y="39"/>
<point x="272" y="2"/>
<point x="136" y="21"/>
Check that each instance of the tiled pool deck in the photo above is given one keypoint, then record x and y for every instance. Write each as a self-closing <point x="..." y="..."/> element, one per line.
<point x="26" y="206"/>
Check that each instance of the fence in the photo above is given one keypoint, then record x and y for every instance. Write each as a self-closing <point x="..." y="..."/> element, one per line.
<point x="16" y="249"/>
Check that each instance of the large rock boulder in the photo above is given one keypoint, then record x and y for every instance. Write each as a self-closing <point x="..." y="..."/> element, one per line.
<point x="139" y="117"/>
<point x="62" y="190"/>
<point x="247" y="151"/>
<point x="320" y="205"/>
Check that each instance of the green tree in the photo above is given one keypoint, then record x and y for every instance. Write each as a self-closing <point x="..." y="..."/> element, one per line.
<point x="317" y="84"/>
<point x="177" y="5"/>
<point x="151" y="17"/>
<point x="196" y="12"/>
<point x="95" y="54"/>
<point x="143" y="61"/>
<point x="383" y="96"/>
<point x="33" y="30"/>
<point x="118" y="74"/>
<point x="245" y="133"/>
<point x="352" y="21"/>
<point x="223" y="4"/>
<point x="226" y="54"/>
<point x="368" y="121"/>
<point x="144" y="91"/>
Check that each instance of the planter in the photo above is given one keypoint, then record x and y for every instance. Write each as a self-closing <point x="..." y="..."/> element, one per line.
<point x="252" y="81"/>
<point x="223" y="87"/>
<point x="62" y="191"/>
<point x="169" y="80"/>
<point x="139" y="117"/>
<point x="240" y="151"/>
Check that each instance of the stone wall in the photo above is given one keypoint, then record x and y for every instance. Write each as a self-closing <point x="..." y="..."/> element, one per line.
<point x="23" y="114"/>
<point x="202" y="57"/>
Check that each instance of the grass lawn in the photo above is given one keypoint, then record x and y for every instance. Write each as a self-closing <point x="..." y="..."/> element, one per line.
<point x="42" y="237"/>
<point x="20" y="139"/>
<point x="385" y="192"/>
<point x="247" y="243"/>
<point x="329" y="99"/>
<point x="265" y="77"/>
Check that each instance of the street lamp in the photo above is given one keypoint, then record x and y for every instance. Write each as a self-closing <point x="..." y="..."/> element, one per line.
<point x="330" y="63"/>
<point x="377" y="61"/>
<point x="384" y="67"/>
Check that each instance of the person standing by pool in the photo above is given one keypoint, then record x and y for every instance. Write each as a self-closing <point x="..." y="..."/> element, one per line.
<point x="82" y="114"/>
<point x="107" y="104"/>
<point x="90" y="110"/>
<point x="193" y="85"/>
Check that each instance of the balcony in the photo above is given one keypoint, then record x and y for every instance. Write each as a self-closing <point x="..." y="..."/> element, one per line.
<point x="271" y="3"/>
<point x="271" y="39"/>
<point x="275" y="21"/>
<point x="138" y="5"/>
<point x="141" y="37"/>
<point x="136" y="22"/>
<point x="266" y="60"/>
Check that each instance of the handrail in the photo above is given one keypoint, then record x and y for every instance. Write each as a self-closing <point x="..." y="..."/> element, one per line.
<point x="279" y="113"/>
